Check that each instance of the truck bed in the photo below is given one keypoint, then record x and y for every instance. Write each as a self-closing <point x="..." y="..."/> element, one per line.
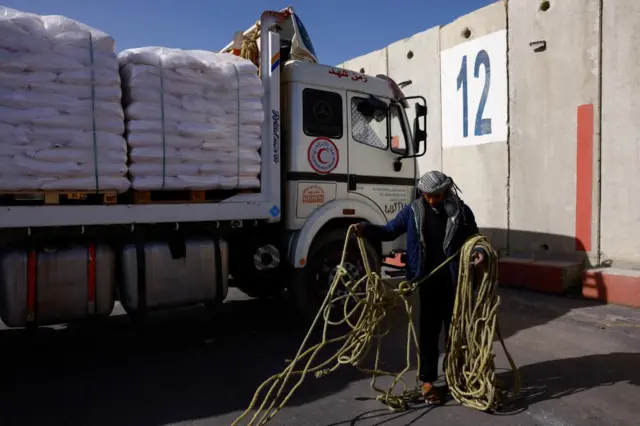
<point x="263" y="206"/>
<point x="239" y="207"/>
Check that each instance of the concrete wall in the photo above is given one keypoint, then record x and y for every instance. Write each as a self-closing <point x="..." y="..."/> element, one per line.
<point x="620" y="226"/>
<point x="480" y="170"/>
<point x="417" y="58"/>
<point x="371" y="64"/>
<point x="545" y="90"/>
<point x="556" y="176"/>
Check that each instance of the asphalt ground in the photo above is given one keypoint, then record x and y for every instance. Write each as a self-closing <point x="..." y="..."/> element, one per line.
<point x="579" y="363"/>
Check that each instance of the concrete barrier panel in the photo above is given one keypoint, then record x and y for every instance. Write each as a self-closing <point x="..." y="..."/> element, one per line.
<point x="613" y="285"/>
<point x="371" y="64"/>
<point x="620" y="230"/>
<point x="417" y="58"/>
<point x="553" y="81"/>
<point x="474" y="114"/>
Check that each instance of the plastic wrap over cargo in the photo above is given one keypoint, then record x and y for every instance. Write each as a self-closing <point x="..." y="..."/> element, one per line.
<point x="61" y="117"/>
<point x="194" y="119"/>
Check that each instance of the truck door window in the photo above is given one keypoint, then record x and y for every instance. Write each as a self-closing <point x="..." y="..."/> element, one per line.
<point x="398" y="130"/>
<point x="368" y="129"/>
<point x="322" y="113"/>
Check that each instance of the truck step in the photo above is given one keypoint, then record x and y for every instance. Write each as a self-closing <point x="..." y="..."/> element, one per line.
<point x="18" y="198"/>
<point x="178" y="197"/>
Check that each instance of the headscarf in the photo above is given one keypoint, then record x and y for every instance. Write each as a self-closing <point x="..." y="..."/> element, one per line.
<point x="435" y="183"/>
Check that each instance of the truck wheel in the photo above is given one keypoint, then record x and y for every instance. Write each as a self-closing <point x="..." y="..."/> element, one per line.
<point x="311" y="283"/>
<point x="259" y="273"/>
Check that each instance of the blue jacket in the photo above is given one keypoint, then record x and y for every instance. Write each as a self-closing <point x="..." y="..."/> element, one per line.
<point x="410" y="220"/>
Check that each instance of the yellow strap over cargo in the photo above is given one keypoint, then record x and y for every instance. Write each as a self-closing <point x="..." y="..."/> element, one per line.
<point x="470" y="369"/>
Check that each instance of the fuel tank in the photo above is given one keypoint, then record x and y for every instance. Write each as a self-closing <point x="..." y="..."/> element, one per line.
<point x="156" y="275"/>
<point x="56" y="285"/>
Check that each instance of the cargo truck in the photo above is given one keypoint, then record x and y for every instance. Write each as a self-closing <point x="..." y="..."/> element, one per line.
<point x="338" y="148"/>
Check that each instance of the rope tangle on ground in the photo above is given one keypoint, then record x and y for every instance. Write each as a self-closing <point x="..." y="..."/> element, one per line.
<point x="470" y="370"/>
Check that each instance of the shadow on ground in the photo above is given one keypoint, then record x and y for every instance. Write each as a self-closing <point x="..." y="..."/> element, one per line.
<point x="543" y="381"/>
<point x="180" y="366"/>
<point x="189" y="365"/>
<point x="560" y="378"/>
<point x="383" y="416"/>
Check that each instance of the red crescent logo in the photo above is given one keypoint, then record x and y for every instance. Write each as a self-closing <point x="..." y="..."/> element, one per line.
<point x="319" y="155"/>
<point x="323" y="155"/>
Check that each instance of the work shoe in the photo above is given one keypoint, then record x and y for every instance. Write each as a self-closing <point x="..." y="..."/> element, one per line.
<point x="431" y="394"/>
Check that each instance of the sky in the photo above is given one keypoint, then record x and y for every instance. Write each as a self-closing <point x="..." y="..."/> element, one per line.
<point x="339" y="29"/>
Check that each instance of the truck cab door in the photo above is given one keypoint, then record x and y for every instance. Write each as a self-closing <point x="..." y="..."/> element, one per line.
<point x="378" y="136"/>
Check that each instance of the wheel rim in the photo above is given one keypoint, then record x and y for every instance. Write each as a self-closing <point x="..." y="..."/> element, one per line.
<point x="328" y="271"/>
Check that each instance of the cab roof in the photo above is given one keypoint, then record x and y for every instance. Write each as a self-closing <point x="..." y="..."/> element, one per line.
<point x="336" y="78"/>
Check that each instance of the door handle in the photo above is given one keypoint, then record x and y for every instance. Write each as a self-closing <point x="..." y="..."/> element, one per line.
<point x="351" y="183"/>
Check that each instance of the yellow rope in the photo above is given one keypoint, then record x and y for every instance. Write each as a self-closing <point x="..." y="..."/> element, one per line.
<point x="250" y="49"/>
<point x="470" y="370"/>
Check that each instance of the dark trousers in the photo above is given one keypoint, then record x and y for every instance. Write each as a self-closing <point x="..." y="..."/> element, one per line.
<point x="437" y="297"/>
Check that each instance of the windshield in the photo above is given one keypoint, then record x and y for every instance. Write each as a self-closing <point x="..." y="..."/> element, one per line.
<point x="408" y="131"/>
<point x="400" y="131"/>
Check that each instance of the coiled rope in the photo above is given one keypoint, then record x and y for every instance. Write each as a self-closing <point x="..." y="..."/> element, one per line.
<point x="249" y="49"/>
<point x="469" y="370"/>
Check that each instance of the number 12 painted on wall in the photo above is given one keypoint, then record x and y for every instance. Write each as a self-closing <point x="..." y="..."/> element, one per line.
<point x="482" y="125"/>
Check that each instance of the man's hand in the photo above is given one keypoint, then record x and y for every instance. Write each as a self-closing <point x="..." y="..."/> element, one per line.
<point x="358" y="227"/>
<point x="477" y="258"/>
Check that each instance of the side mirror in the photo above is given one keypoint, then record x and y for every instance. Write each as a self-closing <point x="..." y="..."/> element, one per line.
<point x="420" y="134"/>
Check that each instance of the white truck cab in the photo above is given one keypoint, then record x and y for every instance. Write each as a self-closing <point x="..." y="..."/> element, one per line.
<point x="348" y="152"/>
<point x="348" y="157"/>
<point x="337" y="148"/>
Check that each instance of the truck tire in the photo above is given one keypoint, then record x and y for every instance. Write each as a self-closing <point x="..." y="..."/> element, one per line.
<point x="310" y="284"/>
<point x="255" y="282"/>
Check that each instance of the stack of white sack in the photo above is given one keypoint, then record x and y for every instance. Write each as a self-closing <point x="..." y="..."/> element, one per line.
<point x="194" y="119"/>
<point x="61" y="117"/>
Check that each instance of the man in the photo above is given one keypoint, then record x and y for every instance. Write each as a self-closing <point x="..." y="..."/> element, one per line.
<point x="437" y="225"/>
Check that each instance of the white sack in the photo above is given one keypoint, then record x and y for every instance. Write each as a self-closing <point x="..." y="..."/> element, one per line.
<point x="61" y="116"/>
<point x="192" y="121"/>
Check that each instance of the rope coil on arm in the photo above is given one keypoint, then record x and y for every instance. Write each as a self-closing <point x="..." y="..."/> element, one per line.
<point x="470" y="370"/>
